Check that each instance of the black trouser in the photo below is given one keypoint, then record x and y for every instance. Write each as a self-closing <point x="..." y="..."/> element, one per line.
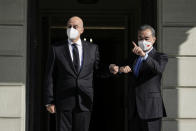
<point x="73" y="120"/>
<point x="137" y="124"/>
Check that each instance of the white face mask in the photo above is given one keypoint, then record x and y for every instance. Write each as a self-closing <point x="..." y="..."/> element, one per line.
<point x="144" y="45"/>
<point x="72" y="33"/>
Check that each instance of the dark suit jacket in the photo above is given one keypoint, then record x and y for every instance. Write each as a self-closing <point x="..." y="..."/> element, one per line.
<point x="66" y="88"/>
<point x="145" y="90"/>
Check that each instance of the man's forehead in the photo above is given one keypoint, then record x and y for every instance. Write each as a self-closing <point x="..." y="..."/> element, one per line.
<point x="146" y="32"/>
<point x="75" y="21"/>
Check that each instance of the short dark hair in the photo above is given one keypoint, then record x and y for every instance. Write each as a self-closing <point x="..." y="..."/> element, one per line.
<point x="144" y="27"/>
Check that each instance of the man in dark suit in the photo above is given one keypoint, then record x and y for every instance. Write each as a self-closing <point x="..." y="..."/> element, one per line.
<point x="68" y="88"/>
<point x="146" y="67"/>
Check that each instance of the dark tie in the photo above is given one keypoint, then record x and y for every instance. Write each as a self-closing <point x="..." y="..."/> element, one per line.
<point x="137" y="66"/>
<point x="76" y="61"/>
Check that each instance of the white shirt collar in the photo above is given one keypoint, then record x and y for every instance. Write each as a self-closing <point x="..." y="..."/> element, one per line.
<point x="79" y="42"/>
<point x="149" y="50"/>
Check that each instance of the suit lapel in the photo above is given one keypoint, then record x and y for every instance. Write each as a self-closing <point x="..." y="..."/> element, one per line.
<point x="151" y="54"/>
<point x="84" y="55"/>
<point x="68" y="56"/>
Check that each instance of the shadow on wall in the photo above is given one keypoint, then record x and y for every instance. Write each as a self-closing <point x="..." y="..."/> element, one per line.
<point x="179" y="44"/>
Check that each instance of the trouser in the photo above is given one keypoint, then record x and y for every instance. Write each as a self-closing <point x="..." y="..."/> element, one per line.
<point x="137" y="124"/>
<point x="72" y="120"/>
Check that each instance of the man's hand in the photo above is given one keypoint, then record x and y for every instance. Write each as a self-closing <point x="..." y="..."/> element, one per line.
<point x="51" y="108"/>
<point x="137" y="50"/>
<point x="125" y="69"/>
<point x="113" y="69"/>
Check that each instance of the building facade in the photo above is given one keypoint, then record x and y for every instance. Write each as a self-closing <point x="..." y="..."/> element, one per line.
<point x="21" y="75"/>
<point x="13" y="64"/>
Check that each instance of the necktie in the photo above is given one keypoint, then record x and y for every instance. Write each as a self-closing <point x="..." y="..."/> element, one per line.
<point x="137" y="66"/>
<point x="75" y="57"/>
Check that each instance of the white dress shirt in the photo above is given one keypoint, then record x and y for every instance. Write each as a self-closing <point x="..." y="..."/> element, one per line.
<point x="146" y="56"/>
<point x="80" y="51"/>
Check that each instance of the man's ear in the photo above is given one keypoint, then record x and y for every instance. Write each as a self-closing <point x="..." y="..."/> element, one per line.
<point x="82" y="30"/>
<point x="154" y="39"/>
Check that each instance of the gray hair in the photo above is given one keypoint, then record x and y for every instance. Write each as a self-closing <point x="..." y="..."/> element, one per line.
<point x="145" y="27"/>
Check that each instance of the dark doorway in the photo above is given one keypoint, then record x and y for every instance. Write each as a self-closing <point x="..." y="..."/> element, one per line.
<point x="111" y="27"/>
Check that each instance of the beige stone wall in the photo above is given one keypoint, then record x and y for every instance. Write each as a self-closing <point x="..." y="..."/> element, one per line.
<point x="13" y="26"/>
<point x="177" y="38"/>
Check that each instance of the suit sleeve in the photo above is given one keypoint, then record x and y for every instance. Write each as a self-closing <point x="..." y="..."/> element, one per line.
<point x="48" y="81"/>
<point x="157" y="65"/>
<point x="97" y="59"/>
